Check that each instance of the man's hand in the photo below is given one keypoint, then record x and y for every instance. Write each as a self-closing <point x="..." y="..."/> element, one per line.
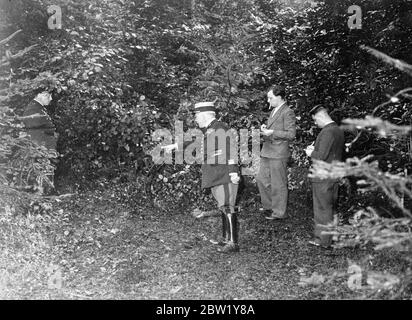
<point x="169" y="148"/>
<point x="309" y="149"/>
<point x="234" y="177"/>
<point x="264" y="131"/>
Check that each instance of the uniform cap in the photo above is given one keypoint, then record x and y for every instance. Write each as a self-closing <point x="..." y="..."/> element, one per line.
<point x="205" y="106"/>
<point x="316" y="108"/>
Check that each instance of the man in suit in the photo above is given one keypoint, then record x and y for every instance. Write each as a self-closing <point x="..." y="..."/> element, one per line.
<point x="328" y="147"/>
<point x="220" y="171"/>
<point x="272" y="178"/>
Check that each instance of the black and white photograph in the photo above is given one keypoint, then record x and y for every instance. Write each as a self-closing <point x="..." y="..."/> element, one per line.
<point x="207" y="157"/>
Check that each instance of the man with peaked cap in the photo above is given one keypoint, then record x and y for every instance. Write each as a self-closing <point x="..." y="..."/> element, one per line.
<point x="38" y="123"/>
<point x="328" y="147"/>
<point x="278" y="132"/>
<point x="220" y="171"/>
<point x="40" y="127"/>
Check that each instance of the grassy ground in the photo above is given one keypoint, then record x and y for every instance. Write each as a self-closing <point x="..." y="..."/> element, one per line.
<point x="93" y="247"/>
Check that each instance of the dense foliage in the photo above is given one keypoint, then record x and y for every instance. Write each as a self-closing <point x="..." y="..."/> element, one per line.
<point x="117" y="78"/>
<point x="121" y="69"/>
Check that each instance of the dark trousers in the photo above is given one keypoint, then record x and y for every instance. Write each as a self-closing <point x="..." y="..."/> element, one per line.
<point x="325" y="196"/>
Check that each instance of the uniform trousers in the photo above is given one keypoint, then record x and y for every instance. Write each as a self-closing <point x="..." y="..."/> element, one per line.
<point x="325" y="196"/>
<point x="225" y="195"/>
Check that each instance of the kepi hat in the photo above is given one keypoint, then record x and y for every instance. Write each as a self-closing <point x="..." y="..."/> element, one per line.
<point x="205" y="106"/>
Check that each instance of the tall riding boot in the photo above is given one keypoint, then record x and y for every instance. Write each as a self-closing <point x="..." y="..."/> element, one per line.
<point x="232" y="245"/>
<point x="225" y="230"/>
<point x="225" y="225"/>
<point x="235" y="224"/>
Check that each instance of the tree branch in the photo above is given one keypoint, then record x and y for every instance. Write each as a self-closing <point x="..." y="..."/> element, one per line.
<point x="390" y="184"/>
<point x="229" y="84"/>
<point x="398" y="64"/>
<point x="6" y="61"/>
<point x="384" y="128"/>
<point x="4" y="41"/>
<point x="402" y="93"/>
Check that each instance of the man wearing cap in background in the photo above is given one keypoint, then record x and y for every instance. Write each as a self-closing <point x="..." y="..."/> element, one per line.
<point x="38" y="123"/>
<point x="272" y="178"/>
<point x="219" y="171"/>
<point x="328" y="147"/>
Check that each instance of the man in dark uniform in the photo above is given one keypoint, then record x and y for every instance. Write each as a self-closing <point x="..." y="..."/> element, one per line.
<point x="40" y="127"/>
<point x="328" y="147"/>
<point x="38" y="123"/>
<point x="220" y="170"/>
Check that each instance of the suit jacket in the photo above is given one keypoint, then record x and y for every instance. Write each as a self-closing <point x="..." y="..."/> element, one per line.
<point x="39" y="125"/>
<point x="329" y="145"/>
<point x="283" y="122"/>
<point x="213" y="172"/>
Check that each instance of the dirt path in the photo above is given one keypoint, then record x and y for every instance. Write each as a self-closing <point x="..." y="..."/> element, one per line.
<point x="106" y="252"/>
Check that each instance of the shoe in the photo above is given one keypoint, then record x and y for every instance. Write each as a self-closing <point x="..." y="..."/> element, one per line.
<point x="218" y="243"/>
<point x="229" y="247"/>
<point x="275" y="217"/>
<point x="197" y="213"/>
<point x="265" y="212"/>
<point x="316" y="243"/>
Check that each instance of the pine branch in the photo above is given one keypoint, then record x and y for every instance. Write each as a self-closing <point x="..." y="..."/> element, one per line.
<point x="398" y="64"/>
<point x="367" y="226"/>
<point x="384" y="128"/>
<point x="390" y="184"/>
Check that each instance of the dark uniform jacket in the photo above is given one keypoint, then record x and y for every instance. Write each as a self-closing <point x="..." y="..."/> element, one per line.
<point x="283" y="122"/>
<point x="214" y="172"/>
<point x="329" y="145"/>
<point x="39" y="125"/>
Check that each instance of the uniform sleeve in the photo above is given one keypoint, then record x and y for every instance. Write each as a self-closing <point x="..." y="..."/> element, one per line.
<point x="323" y="146"/>
<point x="290" y="128"/>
